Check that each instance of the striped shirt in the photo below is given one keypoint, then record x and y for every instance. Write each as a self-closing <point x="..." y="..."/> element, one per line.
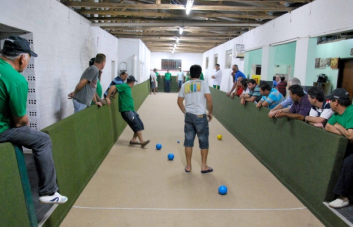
<point x="274" y="98"/>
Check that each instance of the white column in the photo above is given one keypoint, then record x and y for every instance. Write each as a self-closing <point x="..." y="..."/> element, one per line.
<point x="301" y="59"/>
<point x="265" y="62"/>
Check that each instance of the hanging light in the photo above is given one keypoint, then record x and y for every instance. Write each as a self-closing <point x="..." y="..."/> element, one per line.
<point x="188" y="6"/>
<point x="174" y="45"/>
<point x="181" y="29"/>
<point x="177" y="40"/>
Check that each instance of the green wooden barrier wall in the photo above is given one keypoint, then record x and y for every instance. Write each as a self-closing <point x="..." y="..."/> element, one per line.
<point x="305" y="159"/>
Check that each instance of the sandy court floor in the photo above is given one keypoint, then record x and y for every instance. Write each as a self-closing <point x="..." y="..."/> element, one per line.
<point x="140" y="187"/>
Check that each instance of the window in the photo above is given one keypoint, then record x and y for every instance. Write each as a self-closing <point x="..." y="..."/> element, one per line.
<point x="215" y="59"/>
<point x="171" y="64"/>
<point x="207" y="63"/>
<point x="228" y="59"/>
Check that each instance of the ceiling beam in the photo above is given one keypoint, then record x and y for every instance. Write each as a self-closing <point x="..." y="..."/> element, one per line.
<point x="174" y="15"/>
<point x="172" y="7"/>
<point x="183" y="23"/>
<point x="176" y="28"/>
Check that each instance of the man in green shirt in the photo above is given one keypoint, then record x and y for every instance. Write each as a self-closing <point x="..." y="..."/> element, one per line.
<point x="167" y="78"/>
<point x="127" y="109"/>
<point x="341" y="123"/>
<point x="14" y="121"/>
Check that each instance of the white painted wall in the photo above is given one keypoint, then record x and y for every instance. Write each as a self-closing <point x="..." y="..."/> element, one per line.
<point x="64" y="42"/>
<point x="314" y="19"/>
<point x="139" y="68"/>
<point x="188" y="59"/>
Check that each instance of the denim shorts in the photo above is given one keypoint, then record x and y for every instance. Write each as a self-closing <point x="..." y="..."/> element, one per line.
<point x="133" y="120"/>
<point x="196" y="124"/>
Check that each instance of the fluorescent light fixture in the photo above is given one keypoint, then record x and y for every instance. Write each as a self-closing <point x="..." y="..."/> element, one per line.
<point x="181" y="29"/>
<point x="188" y="6"/>
<point x="174" y="45"/>
<point x="177" y="40"/>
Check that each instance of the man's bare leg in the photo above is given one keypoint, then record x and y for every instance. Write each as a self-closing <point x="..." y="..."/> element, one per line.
<point x="134" y="138"/>
<point x="188" y="154"/>
<point x="142" y="142"/>
<point x="204" y="166"/>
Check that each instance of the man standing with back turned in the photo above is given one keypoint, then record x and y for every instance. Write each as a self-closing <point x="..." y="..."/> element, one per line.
<point x="14" y="121"/>
<point x="196" y="93"/>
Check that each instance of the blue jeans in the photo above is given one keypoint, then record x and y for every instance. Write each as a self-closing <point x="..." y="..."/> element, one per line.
<point x="40" y="143"/>
<point x="167" y="85"/>
<point x="344" y="185"/>
<point x="78" y="106"/>
<point x="180" y="83"/>
<point x="196" y="124"/>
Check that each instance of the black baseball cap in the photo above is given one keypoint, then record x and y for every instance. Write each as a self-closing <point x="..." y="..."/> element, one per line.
<point x="15" y="45"/>
<point x="339" y="94"/>
<point x="131" y="79"/>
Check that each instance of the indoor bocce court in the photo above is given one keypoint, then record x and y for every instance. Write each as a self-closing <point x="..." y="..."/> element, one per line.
<point x="100" y="99"/>
<point x="158" y="192"/>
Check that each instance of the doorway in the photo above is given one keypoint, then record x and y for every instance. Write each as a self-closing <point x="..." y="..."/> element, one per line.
<point x="345" y="75"/>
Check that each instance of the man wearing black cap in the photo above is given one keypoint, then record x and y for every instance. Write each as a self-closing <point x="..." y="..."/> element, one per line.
<point x="341" y="123"/>
<point x="14" y="121"/>
<point x="85" y="90"/>
<point x="127" y="109"/>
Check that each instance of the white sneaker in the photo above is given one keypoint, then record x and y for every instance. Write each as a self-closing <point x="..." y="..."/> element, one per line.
<point x="339" y="203"/>
<point x="53" y="199"/>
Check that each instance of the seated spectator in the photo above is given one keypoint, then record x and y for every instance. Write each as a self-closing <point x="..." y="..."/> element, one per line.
<point x="254" y="94"/>
<point x="281" y="86"/>
<point x="287" y="102"/>
<point x="237" y="88"/>
<point x="270" y="97"/>
<point x="341" y="123"/>
<point x="320" y="111"/>
<point x="14" y="121"/>
<point x="300" y="107"/>
<point x="117" y="80"/>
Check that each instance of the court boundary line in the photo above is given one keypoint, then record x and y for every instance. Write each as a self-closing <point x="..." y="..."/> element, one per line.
<point x="187" y="209"/>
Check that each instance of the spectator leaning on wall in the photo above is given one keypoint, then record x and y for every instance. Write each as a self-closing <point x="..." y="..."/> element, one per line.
<point x="14" y="121"/>
<point x="117" y="80"/>
<point x="270" y="97"/>
<point x="85" y="90"/>
<point x="287" y="102"/>
<point x="320" y="111"/>
<point x="254" y="95"/>
<point x="341" y="123"/>
<point x="300" y="107"/>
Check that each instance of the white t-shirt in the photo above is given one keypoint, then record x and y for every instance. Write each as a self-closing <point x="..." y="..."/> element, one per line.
<point x="324" y="112"/>
<point x="153" y="75"/>
<point x="194" y="92"/>
<point x="217" y="81"/>
<point x="180" y="75"/>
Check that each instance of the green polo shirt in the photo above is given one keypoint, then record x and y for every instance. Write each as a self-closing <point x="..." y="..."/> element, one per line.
<point x="346" y="119"/>
<point x="13" y="95"/>
<point x="126" y="102"/>
<point x="168" y="76"/>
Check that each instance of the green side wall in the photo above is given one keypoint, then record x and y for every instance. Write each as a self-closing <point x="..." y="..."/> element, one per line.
<point x="13" y="211"/>
<point x="305" y="159"/>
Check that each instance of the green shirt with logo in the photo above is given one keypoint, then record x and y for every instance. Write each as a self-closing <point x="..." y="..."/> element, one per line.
<point x="126" y="103"/>
<point x="13" y="95"/>
<point x="168" y="76"/>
